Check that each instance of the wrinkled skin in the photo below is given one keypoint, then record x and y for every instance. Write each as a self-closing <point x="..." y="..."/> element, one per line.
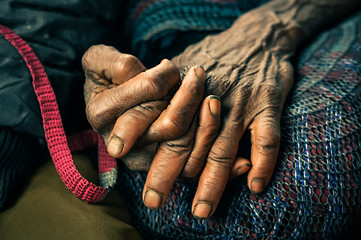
<point x="124" y="100"/>
<point x="247" y="67"/>
<point x="250" y="70"/>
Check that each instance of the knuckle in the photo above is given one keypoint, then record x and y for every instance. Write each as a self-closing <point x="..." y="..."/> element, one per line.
<point x="126" y="62"/>
<point x="171" y="66"/>
<point x="92" y="52"/>
<point x="143" y="113"/>
<point x="148" y="107"/>
<point x="95" y="116"/>
<point x="84" y="59"/>
<point x="156" y="85"/>
<point x="173" y="126"/>
<point x="179" y="149"/>
<point x="137" y="113"/>
<point x="268" y="140"/>
<point x="223" y="154"/>
<point x="268" y="147"/>
<point x="220" y="160"/>
<point x="146" y="111"/>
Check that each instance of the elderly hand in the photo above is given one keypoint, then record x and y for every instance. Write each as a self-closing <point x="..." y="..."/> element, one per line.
<point x="127" y="104"/>
<point x="248" y="67"/>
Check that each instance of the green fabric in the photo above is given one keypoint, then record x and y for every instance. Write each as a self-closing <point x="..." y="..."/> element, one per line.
<point x="47" y="210"/>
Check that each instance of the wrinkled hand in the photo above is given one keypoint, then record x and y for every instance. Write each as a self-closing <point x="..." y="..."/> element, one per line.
<point x="248" y="67"/>
<point x="127" y="104"/>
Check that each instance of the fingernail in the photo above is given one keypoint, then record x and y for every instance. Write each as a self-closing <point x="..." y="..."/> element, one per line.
<point x="201" y="74"/>
<point x="152" y="199"/>
<point x="215" y="105"/>
<point x="115" y="146"/>
<point x="257" y="185"/>
<point x="202" y="210"/>
<point x="242" y="169"/>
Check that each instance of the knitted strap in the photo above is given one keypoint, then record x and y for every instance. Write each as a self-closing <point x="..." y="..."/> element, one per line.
<point x="53" y="127"/>
<point x="80" y="141"/>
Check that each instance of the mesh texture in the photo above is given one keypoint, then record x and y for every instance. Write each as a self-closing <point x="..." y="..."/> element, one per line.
<point x="315" y="190"/>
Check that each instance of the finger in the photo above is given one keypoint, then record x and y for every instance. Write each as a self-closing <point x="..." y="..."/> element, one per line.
<point x="265" y="131"/>
<point x="140" y="159"/>
<point x="217" y="170"/>
<point x="166" y="167"/>
<point x="175" y="120"/>
<point x="209" y="123"/>
<point x="153" y="84"/>
<point x="240" y="167"/>
<point x="132" y="124"/>
<point x="105" y="64"/>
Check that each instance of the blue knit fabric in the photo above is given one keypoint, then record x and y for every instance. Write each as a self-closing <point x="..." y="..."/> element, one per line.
<point x="315" y="192"/>
<point x="161" y="29"/>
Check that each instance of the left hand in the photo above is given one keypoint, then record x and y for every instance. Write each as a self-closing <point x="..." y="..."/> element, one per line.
<point x="126" y="104"/>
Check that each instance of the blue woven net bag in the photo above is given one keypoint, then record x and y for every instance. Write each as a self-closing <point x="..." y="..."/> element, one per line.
<point x="315" y="190"/>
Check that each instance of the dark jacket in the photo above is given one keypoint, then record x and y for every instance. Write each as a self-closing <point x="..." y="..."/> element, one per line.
<point x="59" y="32"/>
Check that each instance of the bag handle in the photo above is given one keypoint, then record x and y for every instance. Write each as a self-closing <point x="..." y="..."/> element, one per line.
<point x="53" y="126"/>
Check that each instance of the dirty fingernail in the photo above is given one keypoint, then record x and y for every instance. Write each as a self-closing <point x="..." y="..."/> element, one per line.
<point x="215" y="105"/>
<point x="257" y="185"/>
<point x="201" y="74"/>
<point x="152" y="199"/>
<point x="202" y="210"/>
<point x="242" y="169"/>
<point x="115" y="146"/>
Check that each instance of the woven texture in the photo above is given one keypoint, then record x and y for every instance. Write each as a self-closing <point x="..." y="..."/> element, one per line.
<point x="158" y="29"/>
<point x="315" y="191"/>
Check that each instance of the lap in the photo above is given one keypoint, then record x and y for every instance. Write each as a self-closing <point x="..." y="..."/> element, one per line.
<point x="47" y="210"/>
<point x="314" y="193"/>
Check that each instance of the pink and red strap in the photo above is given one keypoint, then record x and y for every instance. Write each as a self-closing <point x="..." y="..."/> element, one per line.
<point x="53" y="127"/>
